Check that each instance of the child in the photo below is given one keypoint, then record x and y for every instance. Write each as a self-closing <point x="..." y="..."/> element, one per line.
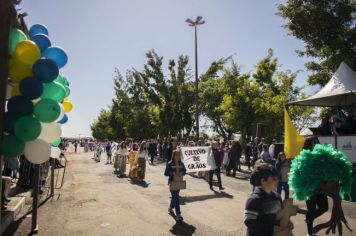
<point x="175" y="170"/>
<point x="133" y="162"/>
<point x="263" y="204"/>
<point x="283" y="167"/>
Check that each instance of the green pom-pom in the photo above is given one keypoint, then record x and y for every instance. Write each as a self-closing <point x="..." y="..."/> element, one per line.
<point x="311" y="168"/>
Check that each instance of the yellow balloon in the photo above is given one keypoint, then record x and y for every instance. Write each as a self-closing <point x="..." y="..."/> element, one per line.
<point x="18" y="71"/>
<point x="67" y="105"/>
<point x="27" y="52"/>
<point x="16" y="90"/>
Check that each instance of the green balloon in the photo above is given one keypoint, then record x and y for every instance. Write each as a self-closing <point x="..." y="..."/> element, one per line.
<point x="47" y="110"/>
<point x="67" y="90"/>
<point x="56" y="143"/>
<point x="11" y="146"/>
<point x="16" y="36"/>
<point x="27" y="128"/>
<point x="61" y="79"/>
<point x="54" y="91"/>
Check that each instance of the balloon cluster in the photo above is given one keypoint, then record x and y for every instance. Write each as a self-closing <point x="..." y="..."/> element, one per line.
<point x="37" y="96"/>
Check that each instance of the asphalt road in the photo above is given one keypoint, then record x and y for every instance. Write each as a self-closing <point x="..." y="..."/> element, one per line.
<point x="94" y="201"/>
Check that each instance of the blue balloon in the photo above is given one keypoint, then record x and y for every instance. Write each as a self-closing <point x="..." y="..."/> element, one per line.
<point x="46" y="70"/>
<point x="63" y="120"/>
<point x="9" y="122"/>
<point x="38" y="29"/>
<point x="42" y="41"/>
<point x="20" y="106"/>
<point x="57" y="54"/>
<point x="31" y="88"/>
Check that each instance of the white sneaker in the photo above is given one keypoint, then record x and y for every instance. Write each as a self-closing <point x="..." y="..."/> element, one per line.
<point x="179" y="218"/>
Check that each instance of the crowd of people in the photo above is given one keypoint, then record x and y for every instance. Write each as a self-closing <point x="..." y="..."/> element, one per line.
<point x="129" y="160"/>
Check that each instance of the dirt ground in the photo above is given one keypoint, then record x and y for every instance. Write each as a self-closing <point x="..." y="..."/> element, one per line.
<point x="94" y="201"/>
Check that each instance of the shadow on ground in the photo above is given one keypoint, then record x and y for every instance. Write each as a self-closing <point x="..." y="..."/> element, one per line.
<point x="189" y="199"/>
<point x="182" y="228"/>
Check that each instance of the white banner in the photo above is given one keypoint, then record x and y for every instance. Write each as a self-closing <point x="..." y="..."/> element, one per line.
<point x="198" y="159"/>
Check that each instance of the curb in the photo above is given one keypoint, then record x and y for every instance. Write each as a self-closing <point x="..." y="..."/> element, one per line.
<point x="18" y="201"/>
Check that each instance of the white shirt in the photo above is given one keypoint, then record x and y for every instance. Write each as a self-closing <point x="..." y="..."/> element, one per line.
<point x="142" y="154"/>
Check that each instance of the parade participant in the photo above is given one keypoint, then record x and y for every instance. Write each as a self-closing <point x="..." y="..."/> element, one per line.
<point x="318" y="172"/>
<point x="255" y="153"/>
<point x="175" y="171"/>
<point x="234" y="158"/>
<point x="75" y="146"/>
<point x="216" y="155"/>
<point x="226" y="158"/>
<point x="152" y="150"/>
<point x="170" y="148"/>
<point x="317" y="204"/>
<point x="142" y="155"/>
<point x="265" y="155"/>
<point x="97" y="152"/>
<point x="248" y="154"/>
<point x="123" y="152"/>
<point x="263" y="204"/>
<point x="283" y="167"/>
<point x="108" y="150"/>
<point x="133" y="161"/>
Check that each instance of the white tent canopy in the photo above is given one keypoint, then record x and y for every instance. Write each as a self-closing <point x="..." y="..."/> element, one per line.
<point x="339" y="91"/>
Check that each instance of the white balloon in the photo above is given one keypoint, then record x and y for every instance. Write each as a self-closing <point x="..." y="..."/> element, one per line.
<point x="37" y="151"/>
<point x="50" y="132"/>
<point x="60" y="117"/>
<point x="55" y="152"/>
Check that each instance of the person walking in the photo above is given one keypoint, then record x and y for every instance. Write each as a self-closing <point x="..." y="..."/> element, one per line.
<point x="152" y="150"/>
<point x="170" y="148"/>
<point x="255" y="153"/>
<point x="318" y="203"/>
<point x="262" y="206"/>
<point x="108" y="150"/>
<point x="75" y="146"/>
<point x="248" y="154"/>
<point x="175" y="171"/>
<point x="142" y="155"/>
<point x="133" y="161"/>
<point x="283" y="167"/>
<point x="234" y="158"/>
<point x="217" y="158"/>
<point x="123" y="151"/>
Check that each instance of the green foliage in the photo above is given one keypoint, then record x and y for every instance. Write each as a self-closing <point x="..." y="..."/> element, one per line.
<point x="101" y="128"/>
<point x="328" y="30"/>
<point x="147" y="103"/>
<point x="310" y="169"/>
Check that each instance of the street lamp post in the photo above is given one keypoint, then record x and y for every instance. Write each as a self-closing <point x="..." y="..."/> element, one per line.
<point x="199" y="21"/>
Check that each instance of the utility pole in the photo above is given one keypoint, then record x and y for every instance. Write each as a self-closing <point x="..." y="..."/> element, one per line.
<point x="194" y="24"/>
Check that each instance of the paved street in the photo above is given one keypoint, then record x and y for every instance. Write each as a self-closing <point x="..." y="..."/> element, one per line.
<point x="94" y="201"/>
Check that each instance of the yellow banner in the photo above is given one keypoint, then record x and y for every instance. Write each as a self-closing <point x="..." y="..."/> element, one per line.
<point x="293" y="141"/>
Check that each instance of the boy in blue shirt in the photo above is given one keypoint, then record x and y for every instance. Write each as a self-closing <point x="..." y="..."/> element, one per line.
<point x="264" y="203"/>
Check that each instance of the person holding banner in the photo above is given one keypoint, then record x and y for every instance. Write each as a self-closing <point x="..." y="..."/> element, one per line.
<point x="175" y="171"/>
<point x="217" y="158"/>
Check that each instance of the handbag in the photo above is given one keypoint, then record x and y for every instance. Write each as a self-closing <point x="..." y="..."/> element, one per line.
<point x="178" y="182"/>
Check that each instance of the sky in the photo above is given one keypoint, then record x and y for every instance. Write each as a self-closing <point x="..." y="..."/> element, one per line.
<point x="99" y="35"/>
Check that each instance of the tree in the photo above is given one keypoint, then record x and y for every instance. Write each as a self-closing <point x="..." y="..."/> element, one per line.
<point x="101" y="128"/>
<point x="147" y="103"/>
<point x="211" y="95"/>
<point x="328" y="29"/>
